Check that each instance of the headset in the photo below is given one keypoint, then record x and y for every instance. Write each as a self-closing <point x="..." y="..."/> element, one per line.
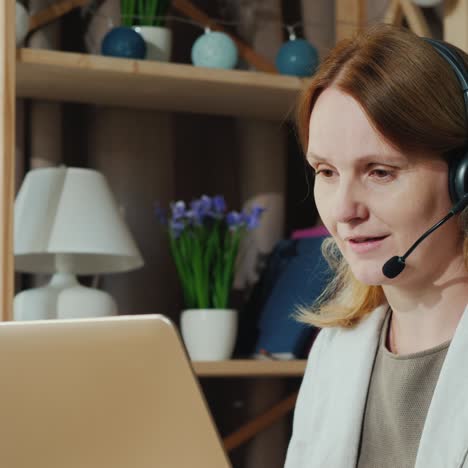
<point x="458" y="163"/>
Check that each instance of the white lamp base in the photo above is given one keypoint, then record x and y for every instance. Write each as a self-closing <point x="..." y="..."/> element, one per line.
<point x="41" y="303"/>
<point x="62" y="298"/>
<point x="81" y="302"/>
<point x="36" y="304"/>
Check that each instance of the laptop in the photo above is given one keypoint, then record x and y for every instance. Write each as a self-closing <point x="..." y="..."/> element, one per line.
<point x="102" y="393"/>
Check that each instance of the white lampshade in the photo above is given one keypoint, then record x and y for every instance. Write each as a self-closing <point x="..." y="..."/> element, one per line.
<point x="71" y="211"/>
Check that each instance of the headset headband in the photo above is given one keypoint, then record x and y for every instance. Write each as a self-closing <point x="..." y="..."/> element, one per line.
<point x="456" y="63"/>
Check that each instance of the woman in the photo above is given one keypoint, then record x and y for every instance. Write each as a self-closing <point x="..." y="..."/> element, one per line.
<point x="387" y="379"/>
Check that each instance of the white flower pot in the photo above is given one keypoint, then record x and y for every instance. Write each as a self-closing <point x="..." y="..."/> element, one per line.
<point x="209" y="334"/>
<point x="158" y="42"/>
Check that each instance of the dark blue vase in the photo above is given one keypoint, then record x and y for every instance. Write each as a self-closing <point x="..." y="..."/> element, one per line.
<point x="297" y="57"/>
<point x="123" y="42"/>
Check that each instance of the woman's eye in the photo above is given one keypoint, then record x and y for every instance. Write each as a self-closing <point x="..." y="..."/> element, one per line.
<point x="381" y="173"/>
<point x="324" y="172"/>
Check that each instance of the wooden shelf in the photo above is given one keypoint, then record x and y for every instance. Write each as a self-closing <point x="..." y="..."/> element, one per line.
<point x="250" y="368"/>
<point x="65" y="76"/>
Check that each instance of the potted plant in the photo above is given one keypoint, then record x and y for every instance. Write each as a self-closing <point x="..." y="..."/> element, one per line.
<point x="204" y="241"/>
<point x="148" y="18"/>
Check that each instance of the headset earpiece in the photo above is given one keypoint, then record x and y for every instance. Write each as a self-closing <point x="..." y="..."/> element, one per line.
<point x="458" y="166"/>
<point x="458" y="177"/>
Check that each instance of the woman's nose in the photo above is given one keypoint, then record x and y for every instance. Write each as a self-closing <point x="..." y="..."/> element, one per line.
<point x="350" y="204"/>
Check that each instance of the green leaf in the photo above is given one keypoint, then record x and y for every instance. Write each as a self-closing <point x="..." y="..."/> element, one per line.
<point x="127" y="12"/>
<point x="182" y="271"/>
<point x="205" y="257"/>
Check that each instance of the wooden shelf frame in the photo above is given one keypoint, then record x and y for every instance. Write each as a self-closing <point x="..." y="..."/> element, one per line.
<point x="95" y="79"/>
<point x="252" y="368"/>
<point x="7" y="149"/>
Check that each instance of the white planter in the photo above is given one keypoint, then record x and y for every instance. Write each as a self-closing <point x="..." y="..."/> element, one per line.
<point x="158" y="42"/>
<point x="209" y="334"/>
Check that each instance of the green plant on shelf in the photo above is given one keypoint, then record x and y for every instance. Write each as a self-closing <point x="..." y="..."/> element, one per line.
<point x="144" y="12"/>
<point x="204" y="240"/>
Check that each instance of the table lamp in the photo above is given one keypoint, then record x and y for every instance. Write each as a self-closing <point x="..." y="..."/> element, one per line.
<point x="67" y="223"/>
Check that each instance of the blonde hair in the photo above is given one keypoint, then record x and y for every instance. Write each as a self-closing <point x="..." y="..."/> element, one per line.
<point x="414" y="100"/>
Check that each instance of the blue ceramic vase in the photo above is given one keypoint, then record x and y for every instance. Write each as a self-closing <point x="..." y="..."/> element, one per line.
<point x="297" y="57"/>
<point x="123" y="42"/>
<point x="214" y="49"/>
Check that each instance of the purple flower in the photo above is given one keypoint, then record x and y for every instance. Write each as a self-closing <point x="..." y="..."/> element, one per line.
<point x="202" y="213"/>
<point x="218" y="206"/>
<point x="252" y="219"/>
<point x="178" y="210"/>
<point x="200" y="209"/>
<point x="177" y="227"/>
<point x="234" y="220"/>
<point x="205" y="203"/>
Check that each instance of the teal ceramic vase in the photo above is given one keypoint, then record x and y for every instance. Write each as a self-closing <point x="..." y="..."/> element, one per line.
<point x="123" y="42"/>
<point x="214" y="49"/>
<point x="297" y="57"/>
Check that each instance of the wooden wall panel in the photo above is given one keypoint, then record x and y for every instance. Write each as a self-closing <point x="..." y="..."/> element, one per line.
<point x="319" y="24"/>
<point x="7" y="148"/>
<point x="350" y="15"/>
<point x="456" y="23"/>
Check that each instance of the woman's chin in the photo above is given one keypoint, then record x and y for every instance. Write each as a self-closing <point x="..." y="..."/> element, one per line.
<point x="370" y="275"/>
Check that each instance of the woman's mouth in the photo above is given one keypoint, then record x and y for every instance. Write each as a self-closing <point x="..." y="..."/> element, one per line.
<point x="363" y="244"/>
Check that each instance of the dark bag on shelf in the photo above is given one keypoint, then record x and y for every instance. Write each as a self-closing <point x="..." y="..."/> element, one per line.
<point x="296" y="273"/>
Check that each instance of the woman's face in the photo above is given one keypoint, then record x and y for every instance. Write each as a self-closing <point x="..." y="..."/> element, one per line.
<point x="375" y="200"/>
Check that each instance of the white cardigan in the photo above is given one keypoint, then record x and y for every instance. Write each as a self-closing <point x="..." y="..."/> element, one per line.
<point x="331" y="402"/>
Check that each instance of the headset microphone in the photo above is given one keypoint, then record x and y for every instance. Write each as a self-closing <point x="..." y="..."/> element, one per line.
<point x="393" y="267"/>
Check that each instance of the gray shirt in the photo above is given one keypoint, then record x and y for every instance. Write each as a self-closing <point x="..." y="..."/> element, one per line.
<point x="399" y="395"/>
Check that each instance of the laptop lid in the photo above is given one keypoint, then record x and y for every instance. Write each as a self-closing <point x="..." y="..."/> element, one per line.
<point x="102" y="393"/>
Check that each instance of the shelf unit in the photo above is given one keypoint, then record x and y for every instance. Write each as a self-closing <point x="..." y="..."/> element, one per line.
<point x="94" y="79"/>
